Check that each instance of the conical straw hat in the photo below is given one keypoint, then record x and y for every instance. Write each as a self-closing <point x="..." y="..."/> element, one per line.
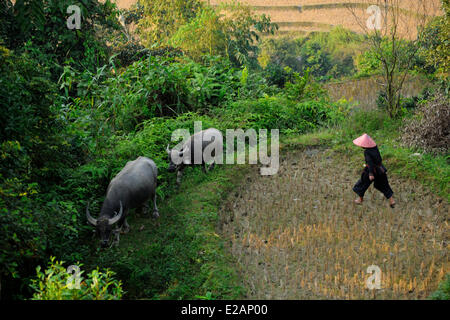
<point x="365" y="141"/>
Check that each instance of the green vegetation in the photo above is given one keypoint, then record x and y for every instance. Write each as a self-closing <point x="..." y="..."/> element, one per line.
<point x="55" y="283"/>
<point x="160" y="19"/>
<point x="328" y="55"/>
<point x="70" y="126"/>
<point x="436" y="45"/>
<point x="231" y="30"/>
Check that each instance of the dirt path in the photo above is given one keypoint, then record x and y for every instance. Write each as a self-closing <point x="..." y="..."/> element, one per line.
<point x="298" y="235"/>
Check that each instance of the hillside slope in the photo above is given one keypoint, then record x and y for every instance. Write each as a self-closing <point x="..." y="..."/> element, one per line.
<point x="294" y="16"/>
<point x="298" y="235"/>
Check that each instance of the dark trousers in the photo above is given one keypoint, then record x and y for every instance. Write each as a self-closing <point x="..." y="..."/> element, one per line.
<point x="381" y="183"/>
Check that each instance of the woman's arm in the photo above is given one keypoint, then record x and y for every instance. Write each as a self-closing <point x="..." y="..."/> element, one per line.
<point x="370" y="163"/>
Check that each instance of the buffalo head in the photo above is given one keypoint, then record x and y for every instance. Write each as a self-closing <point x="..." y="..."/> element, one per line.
<point x="177" y="156"/>
<point x="104" y="225"/>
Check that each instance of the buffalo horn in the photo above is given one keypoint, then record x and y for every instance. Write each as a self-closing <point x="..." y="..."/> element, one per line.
<point x="117" y="217"/>
<point x="89" y="217"/>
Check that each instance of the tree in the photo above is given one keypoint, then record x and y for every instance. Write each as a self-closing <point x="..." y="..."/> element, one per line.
<point x="242" y="29"/>
<point x="230" y="30"/>
<point x="436" y="43"/>
<point x="40" y="28"/>
<point x="210" y="27"/>
<point x="392" y="34"/>
<point x="160" y="19"/>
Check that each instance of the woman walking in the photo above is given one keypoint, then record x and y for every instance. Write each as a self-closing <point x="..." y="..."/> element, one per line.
<point x="374" y="171"/>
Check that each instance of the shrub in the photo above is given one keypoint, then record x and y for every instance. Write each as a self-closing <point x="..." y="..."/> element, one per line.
<point x="360" y="122"/>
<point x="36" y="154"/>
<point x="151" y="87"/>
<point x="327" y="54"/>
<point x="283" y="114"/>
<point x="55" y="283"/>
<point x="276" y="75"/>
<point x="162" y="18"/>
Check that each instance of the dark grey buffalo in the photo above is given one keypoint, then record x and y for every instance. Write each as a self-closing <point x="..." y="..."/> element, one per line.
<point x="131" y="188"/>
<point x="207" y="143"/>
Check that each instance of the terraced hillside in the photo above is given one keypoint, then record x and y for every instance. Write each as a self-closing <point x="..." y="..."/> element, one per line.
<point x="298" y="235"/>
<point x="300" y="16"/>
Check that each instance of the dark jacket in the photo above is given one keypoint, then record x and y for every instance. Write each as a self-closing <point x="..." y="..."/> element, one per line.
<point x="374" y="161"/>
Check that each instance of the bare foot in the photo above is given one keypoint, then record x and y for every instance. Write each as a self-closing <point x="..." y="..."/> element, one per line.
<point x="359" y="201"/>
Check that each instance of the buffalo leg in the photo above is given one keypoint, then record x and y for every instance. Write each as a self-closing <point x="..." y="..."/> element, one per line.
<point x="144" y="209"/>
<point x="155" y="207"/>
<point x="179" y="176"/>
<point x="125" y="227"/>
<point x="116" y="237"/>
<point x="204" y="167"/>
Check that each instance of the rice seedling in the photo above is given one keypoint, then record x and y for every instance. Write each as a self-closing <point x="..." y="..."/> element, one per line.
<point x="298" y="235"/>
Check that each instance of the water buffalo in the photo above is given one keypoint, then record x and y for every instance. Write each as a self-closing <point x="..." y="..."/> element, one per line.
<point x="209" y="138"/>
<point x="131" y="188"/>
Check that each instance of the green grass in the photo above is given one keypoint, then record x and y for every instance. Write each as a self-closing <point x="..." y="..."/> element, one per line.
<point x="183" y="257"/>
<point x="323" y="137"/>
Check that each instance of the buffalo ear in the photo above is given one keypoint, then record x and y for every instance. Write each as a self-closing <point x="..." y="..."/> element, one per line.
<point x="90" y="219"/>
<point x="117" y="217"/>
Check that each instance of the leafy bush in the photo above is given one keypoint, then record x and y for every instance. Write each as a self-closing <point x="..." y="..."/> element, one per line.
<point x="151" y="87"/>
<point x="370" y="62"/>
<point x="283" y="114"/>
<point x="327" y="54"/>
<point x="55" y="283"/>
<point x="36" y="155"/>
<point x="208" y="24"/>
<point x="276" y="75"/>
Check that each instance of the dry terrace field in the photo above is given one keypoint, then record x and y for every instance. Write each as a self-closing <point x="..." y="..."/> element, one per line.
<point x="365" y="91"/>
<point x="300" y="16"/>
<point x="298" y="235"/>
